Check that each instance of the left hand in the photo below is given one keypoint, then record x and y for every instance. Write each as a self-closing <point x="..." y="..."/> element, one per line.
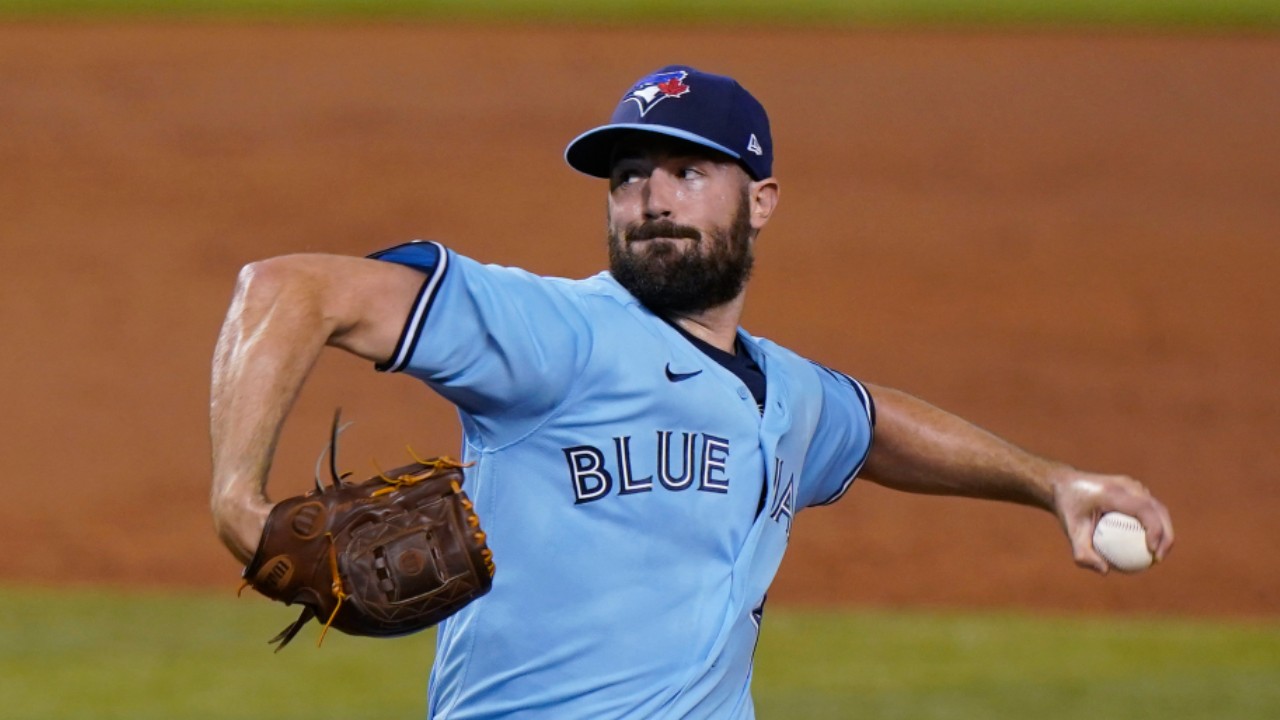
<point x="1081" y="498"/>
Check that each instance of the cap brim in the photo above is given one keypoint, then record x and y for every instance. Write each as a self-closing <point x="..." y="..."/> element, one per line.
<point x="592" y="151"/>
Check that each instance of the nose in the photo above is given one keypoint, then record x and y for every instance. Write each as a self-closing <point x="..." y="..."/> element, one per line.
<point x="659" y="195"/>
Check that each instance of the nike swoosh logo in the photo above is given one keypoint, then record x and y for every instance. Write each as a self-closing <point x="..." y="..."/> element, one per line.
<point x="678" y="376"/>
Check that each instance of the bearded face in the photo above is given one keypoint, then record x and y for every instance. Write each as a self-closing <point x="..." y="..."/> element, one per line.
<point x="676" y="269"/>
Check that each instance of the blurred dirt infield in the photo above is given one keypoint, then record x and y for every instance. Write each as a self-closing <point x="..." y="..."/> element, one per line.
<point x="1070" y="239"/>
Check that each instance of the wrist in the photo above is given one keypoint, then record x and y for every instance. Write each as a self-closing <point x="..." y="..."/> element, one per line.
<point x="238" y="520"/>
<point x="1053" y="482"/>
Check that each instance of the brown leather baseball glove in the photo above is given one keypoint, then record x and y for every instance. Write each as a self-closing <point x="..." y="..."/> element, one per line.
<point x="389" y="556"/>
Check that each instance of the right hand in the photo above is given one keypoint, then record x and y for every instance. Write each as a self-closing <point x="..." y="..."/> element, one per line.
<point x="1081" y="498"/>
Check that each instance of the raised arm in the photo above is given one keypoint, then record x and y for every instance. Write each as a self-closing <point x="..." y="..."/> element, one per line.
<point x="920" y="448"/>
<point x="284" y="311"/>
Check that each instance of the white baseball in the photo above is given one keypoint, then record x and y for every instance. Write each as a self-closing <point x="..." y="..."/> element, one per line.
<point x="1122" y="541"/>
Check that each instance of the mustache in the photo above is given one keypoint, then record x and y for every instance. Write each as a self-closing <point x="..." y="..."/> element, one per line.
<point x="661" y="229"/>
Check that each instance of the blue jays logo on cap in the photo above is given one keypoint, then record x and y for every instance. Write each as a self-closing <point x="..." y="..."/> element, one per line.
<point x="657" y="87"/>
<point x="712" y="111"/>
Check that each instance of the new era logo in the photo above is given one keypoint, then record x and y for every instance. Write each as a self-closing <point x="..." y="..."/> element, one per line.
<point x="753" y="145"/>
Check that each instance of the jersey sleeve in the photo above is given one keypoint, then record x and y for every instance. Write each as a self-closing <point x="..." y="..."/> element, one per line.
<point x="497" y="342"/>
<point x="841" y="440"/>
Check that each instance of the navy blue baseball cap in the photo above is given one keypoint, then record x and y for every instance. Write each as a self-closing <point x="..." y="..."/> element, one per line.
<point x="713" y="111"/>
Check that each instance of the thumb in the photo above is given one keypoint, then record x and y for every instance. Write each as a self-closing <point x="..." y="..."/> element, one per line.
<point x="1081" y="535"/>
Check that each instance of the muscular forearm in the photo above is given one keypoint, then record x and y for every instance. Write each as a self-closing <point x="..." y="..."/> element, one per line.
<point x="920" y="448"/>
<point x="285" y="311"/>
<point x="273" y="333"/>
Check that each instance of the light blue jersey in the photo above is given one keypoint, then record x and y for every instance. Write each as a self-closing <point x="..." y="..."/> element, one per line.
<point x="636" y="499"/>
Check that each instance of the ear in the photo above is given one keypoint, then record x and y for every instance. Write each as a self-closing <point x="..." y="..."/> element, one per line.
<point x="763" y="195"/>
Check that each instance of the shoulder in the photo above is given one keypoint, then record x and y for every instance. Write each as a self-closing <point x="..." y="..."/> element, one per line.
<point x="600" y="287"/>
<point x="778" y="357"/>
<point x="812" y="375"/>
<point x="437" y="260"/>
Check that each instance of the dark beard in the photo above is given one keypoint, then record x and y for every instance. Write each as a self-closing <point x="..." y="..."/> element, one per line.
<point x="670" y="282"/>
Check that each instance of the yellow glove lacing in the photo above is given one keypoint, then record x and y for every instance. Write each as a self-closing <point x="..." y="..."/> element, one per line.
<point x="433" y="467"/>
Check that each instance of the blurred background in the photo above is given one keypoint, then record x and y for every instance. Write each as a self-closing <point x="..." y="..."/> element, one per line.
<point x="1060" y="223"/>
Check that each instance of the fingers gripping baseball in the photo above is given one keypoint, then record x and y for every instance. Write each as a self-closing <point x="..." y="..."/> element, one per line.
<point x="1083" y="498"/>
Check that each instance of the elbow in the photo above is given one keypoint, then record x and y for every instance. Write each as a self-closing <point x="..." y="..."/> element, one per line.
<point x="266" y="279"/>
<point x="257" y="286"/>
<point x="265" y="287"/>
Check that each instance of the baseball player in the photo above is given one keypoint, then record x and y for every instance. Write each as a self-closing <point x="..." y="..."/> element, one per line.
<point x="638" y="457"/>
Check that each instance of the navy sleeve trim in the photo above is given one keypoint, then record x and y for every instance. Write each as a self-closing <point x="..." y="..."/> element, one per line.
<point x="864" y="397"/>
<point x="869" y="407"/>
<point x="433" y="259"/>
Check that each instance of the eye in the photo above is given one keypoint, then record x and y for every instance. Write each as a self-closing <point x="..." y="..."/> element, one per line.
<point x="690" y="173"/>
<point x="623" y="175"/>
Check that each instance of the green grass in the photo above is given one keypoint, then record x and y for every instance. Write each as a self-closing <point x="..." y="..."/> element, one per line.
<point x="105" y="655"/>
<point x="1187" y="13"/>
<point x="98" y="654"/>
<point x="923" y="667"/>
